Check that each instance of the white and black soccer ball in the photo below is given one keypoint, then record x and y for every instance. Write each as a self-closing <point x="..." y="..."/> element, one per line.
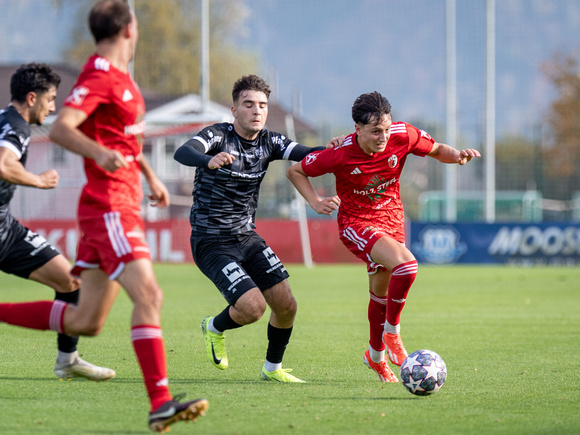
<point x="423" y="372"/>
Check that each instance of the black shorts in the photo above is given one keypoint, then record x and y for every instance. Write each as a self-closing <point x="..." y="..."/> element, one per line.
<point x="237" y="263"/>
<point x="24" y="251"/>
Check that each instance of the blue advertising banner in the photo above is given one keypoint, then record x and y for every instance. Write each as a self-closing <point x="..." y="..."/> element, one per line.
<point x="556" y="244"/>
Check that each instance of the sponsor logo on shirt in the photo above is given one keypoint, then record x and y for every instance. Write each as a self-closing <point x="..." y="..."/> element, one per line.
<point x="375" y="189"/>
<point x="135" y="129"/>
<point x="246" y="155"/>
<point x="356" y="171"/>
<point x="77" y="96"/>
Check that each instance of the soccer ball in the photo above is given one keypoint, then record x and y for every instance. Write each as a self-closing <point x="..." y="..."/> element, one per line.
<point x="423" y="372"/>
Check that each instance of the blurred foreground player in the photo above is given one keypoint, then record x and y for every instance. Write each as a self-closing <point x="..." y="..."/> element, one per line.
<point x="371" y="219"/>
<point x="103" y="121"/>
<point x="24" y="253"/>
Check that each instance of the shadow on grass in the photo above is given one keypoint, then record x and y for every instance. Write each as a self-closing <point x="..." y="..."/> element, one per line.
<point x="362" y="399"/>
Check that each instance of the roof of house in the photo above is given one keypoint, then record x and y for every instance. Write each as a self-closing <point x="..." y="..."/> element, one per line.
<point x="166" y="114"/>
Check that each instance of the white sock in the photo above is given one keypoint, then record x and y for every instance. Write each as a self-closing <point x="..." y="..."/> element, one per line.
<point x="272" y="367"/>
<point x="392" y="329"/>
<point x="211" y="328"/>
<point x="66" y="357"/>
<point x="376" y="355"/>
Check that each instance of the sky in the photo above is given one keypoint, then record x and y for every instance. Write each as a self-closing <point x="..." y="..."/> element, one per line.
<point x="325" y="53"/>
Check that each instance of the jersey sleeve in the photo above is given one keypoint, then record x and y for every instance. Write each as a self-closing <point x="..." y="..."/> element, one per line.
<point x="92" y="89"/>
<point x="284" y="148"/>
<point x="15" y="137"/>
<point x="420" y="142"/>
<point x="208" y="139"/>
<point x="319" y="163"/>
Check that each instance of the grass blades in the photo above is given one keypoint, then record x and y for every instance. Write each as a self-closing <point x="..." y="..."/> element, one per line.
<point x="509" y="337"/>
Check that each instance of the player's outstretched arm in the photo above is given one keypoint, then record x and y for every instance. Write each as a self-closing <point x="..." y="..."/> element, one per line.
<point x="446" y="154"/>
<point x="64" y="132"/>
<point x="191" y="153"/>
<point x="302" y="183"/>
<point x="14" y="172"/>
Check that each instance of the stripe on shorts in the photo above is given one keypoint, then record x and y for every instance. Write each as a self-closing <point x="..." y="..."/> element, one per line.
<point x="351" y="235"/>
<point x="117" y="233"/>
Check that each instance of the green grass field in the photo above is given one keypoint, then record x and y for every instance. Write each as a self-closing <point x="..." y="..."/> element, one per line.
<point x="510" y="338"/>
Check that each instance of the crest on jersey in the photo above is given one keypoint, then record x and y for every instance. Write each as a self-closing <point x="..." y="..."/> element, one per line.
<point x="392" y="162"/>
<point x="426" y="135"/>
<point x="77" y="96"/>
<point x="310" y="158"/>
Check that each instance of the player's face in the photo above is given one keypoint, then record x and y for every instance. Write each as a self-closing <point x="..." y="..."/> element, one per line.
<point x="43" y="106"/>
<point x="373" y="137"/>
<point x="250" y="113"/>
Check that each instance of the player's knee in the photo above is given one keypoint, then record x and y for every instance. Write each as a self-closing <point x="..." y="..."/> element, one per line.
<point x="66" y="285"/>
<point x="92" y="330"/>
<point x="89" y="329"/>
<point x="288" y="308"/>
<point x="255" y="311"/>
<point x="152" y="297"/>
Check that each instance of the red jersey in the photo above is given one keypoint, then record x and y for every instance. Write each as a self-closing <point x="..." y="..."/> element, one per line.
<point x="368" y="185"/>
<point x="115" y="110"/>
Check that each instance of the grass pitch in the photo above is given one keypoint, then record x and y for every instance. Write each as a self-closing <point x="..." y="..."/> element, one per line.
<point x="509" y="337"/>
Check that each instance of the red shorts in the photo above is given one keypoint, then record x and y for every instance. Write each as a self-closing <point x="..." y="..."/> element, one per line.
<point x="360" y="239"/>
<point x="110" y="241"/>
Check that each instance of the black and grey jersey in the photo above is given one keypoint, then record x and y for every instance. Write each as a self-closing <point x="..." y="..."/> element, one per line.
<point x="14" y="135"/>
<point x="225" y="199"/>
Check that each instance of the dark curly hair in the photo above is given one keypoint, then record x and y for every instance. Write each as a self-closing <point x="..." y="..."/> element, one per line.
<point x="32" y="77"/>
<point x="250" y="83"/>
<point x="370" y="108"/>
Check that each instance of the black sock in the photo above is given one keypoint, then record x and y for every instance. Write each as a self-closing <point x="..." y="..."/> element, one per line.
<point x="277" y="341"/>
<point x="223" y="321"/>
<point x="67" y="343"/>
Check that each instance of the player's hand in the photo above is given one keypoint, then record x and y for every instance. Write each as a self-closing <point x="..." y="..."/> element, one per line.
<point x="326" y="205"/>
<point x="466" y="155"/>
<point x="159" y="196"/>
<point x="111" y="160"/>
<point x="48" y="179"/>
<point x="220" y="160"/>
<point x="335" y="142"/>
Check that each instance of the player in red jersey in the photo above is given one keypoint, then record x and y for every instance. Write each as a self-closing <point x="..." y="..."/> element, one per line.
<point x="103" y="121"/>
<point x="367" y="167"/>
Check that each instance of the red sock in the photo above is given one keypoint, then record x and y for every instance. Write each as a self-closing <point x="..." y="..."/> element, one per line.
<point x="377" y="317"/>
<point x="402" y="277"/>
<point x="150" y="349"/>
<point x="41" y="315"/>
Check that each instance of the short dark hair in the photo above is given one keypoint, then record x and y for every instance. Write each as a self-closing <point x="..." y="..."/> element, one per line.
<point x="370" y="108"/>
<point x="32" y="77"/>
<point x="250" y="83"/>
<point x="108" y="17"/>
